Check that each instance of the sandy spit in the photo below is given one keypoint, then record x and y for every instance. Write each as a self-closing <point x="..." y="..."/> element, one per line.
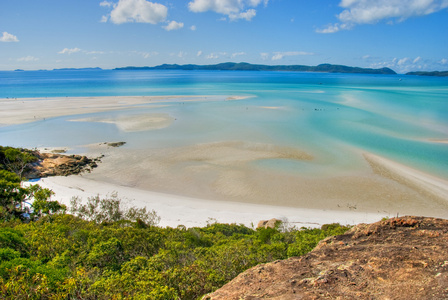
<point x="25" y="110"/>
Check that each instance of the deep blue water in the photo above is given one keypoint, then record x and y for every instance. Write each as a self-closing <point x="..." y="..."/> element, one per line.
<point x="395" y="116"/>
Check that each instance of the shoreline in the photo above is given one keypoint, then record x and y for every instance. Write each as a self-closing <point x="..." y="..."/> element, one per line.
<point x="192" y="212"/>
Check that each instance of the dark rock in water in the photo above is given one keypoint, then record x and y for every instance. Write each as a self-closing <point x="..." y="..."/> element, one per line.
<point x="116" y="144"/>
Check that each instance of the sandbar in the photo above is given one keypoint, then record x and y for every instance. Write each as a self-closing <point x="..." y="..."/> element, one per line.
<point x="26" y="110"/>
<point x="136" y="122"/>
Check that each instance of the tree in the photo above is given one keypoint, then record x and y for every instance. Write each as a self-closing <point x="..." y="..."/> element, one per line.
<point x="23" y="202"/>
<point x="12" y="195"/>
<point x="16" y="160"/>
<point x="111" y="209"/>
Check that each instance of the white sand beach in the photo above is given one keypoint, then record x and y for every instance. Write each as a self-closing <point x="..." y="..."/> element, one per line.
<point x="192" y="212"/>
<point x="222" y="180"/>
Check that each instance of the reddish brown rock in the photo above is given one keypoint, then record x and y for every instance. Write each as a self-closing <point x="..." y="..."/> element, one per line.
<point x="50" y="164"/>
<point x="399" y="258"/>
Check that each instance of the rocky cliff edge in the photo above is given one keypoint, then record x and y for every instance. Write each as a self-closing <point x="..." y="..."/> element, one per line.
<point x="399" y="258"/>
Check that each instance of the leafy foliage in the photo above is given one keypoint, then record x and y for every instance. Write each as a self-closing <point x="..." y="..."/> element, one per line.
<point x="72" y="258"/>
<point x="111" y="209"/>
<point x="15" y="160"/>
<point x="16" y="201"/>
<point x="104" y="250"/>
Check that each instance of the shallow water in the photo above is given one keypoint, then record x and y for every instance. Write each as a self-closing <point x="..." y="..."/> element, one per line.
<point x="334" y="117"/>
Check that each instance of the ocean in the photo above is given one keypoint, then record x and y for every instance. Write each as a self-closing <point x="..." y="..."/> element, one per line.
<point x="334" y="117"/>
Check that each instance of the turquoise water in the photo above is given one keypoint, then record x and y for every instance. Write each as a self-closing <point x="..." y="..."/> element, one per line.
<point x="330" y="116"/>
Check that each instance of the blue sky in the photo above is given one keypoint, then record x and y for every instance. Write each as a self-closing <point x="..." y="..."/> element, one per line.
<point x="405" y="35"/>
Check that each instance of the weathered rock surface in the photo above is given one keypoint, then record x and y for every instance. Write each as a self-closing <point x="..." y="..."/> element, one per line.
<point x="51" y="164"/>
<point x="268" y="223"/>
<point x="399" y="258"/>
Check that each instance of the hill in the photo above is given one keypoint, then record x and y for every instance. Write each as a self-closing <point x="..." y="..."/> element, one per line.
<point x="231" y="66"/>
<point x="433" y="73"/>
<point x="400" y="258"/>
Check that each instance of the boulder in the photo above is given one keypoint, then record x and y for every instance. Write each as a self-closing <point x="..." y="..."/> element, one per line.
<point x="272" y="223"/>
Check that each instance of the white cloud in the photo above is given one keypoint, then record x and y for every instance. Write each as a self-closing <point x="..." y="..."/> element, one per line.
<point x="247" y="15"/>
<point x="281" y="55"/>
<point x="402" y="61"/>
<point x="264" y="56"/>
<point x="234" y="9"/>
<point x="406" y="64"/>
<point x="173" y="25"/>
<point x="215" y="55"/>
<point x="180" y="54"/>
<point x="106" y="4"/>
<point x="76" y="50"/>
<point x="93" y="52"/>
<point x="69" y="51"/>
<point x="193" y="27"/>
<point x="145" y="54"/>
<point x="332" y="28"/>
<point x="370" y="12"/>
<point x="104" y="19"/>
<point x="212" y="56"/>
<point x="237" y="54"/>
<point x="140" y="11"/>
<point x="443" y="61"/>
<point x="28" y="58"/>
<point x="277" y="56"/>
<point x="7" y="37"/>
<point x="199" y="53"/>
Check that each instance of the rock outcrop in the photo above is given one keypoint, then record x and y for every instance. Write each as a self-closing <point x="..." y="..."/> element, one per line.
<point x="268" y="223"/>
<point x="51" y="164"/>
<point x="399" y="258"/>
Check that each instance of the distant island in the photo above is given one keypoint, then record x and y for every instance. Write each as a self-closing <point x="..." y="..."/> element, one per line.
<point x="433" y="73"/>
<point x="230" y="66"/>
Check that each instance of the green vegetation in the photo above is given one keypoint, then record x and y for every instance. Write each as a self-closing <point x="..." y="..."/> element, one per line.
<point x="16" y="160"/>
<point x="104" y="250"/>
<point x="18" y="202"/>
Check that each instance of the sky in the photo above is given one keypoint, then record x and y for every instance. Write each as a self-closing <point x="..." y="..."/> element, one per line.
<point x="404" y="35"/>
